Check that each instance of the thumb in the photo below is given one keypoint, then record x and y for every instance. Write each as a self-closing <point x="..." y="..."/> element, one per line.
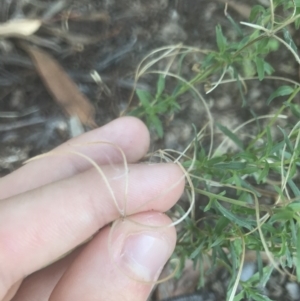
<point x="120" y="265"/>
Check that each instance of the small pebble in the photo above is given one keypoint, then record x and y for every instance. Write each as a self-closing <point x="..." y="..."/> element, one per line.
<point x="248" y="271"/>
<point x="293" y="289"/>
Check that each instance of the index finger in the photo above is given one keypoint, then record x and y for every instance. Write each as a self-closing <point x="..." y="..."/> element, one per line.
<point x="129" y="133"/>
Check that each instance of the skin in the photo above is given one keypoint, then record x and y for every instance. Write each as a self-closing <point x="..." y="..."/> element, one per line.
<point x="52" y="205"/>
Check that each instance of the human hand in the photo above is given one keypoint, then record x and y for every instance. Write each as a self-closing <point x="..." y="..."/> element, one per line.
<point x="51" y="205"/>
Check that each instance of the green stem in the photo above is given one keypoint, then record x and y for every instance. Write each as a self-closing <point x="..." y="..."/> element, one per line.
<point x="231" y="201"/>
<point x="274" y="119"/>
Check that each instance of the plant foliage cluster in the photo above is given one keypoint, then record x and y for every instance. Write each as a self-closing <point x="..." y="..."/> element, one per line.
<point x="253" y="193"/>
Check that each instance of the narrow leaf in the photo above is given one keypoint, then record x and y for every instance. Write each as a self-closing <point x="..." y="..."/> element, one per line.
<point x="256" y="11"/>
<point x="284" y="214"/>
<point x="269" y="141"/>
<point x="287" y="141"/>
<point x="294" y="188"/>
<point x="156" y="123"/>
<point x="160" y="85"/>
<point x="239" y="221"/>
<point x="298" y="256"/>
<point x="259" y="297"/>
<point x="281" y="91"/>
<point x="295" y="206"/>
<point x="260" y="67"/>
<point x="239" y="84"/>
<point x="231" y="135"/>
<point x="231" y="165"/>
<point x="268" y="68"/>
<point x="145" y="97"/>
<point x="295" y="109"/>
<point x="288" y="38"/>
<point x="221" y="40"/>
<point x="264" y="173"/>
<point x="196" y="252"/>
<point x="235" y="25"/>
<point x="239" y="296"/>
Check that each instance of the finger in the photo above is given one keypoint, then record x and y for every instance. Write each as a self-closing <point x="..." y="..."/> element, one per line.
<point x="41" y="225"/>
<point x="39" y="285"/>
<point x="125" y="271"/>
<point x="129" y="133"/>
<point x="12" y="291"/>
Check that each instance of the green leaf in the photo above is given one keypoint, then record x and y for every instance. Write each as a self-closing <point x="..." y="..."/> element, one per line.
<point x="145" y="97"/>
<point x="156" y="123"/>
<point x="231" y="165"/>
<point x="249" y="170"/>
<point x="281" y="91"/>
<point x="249" y="69"/>
<point x="209" y="205"/>
<point x="298" y="256"/>
<point x="231" y="135"/>
<point x="297" y="22"/>
<point x="293" y="231"/>
<point x="268" y="68"/>
<point x="255" y="12"/>
<point x="235" y="25"/>
<point x="283" y="214"/>
<point x="250" y="187"/>
<point x="260" y="67"/>
<point x="218" y="240"/>
<point x="237" y="220"/>
<point x="264" y="173"/>
<point x="239" y="296"/>
<point x="221" y="225"/>
<point x="273" y="45"/>
<point x="289" y="40"/>
<point x="295" y="206"/>
<point x="259" y="297"/>
<point x="269" y="142"/>
<point x="287" y="141"/>
<point x="236" y="76"/>
<point x="277" y="148"/>
<point x="221" y="40"/>
<point x="246" y="155"/>
<point x="253" y="243"/>
<point x="196" y="252"/>
<point x="279" y="191"/>
<point x="295" y="109"/>
<point x="267" y="271"/>
<point x="294" y="188"/>
<point x="223" y="256"/>
<point x="215" y="160"/>
<point x="160" y="85"/>
<point x="262" y="45"/>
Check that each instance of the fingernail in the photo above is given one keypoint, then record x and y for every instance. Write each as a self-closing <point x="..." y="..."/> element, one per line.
<point x="145" y="254"/>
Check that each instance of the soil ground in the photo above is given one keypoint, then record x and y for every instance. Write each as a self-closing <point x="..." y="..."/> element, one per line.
<point x="111" y="37"/>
